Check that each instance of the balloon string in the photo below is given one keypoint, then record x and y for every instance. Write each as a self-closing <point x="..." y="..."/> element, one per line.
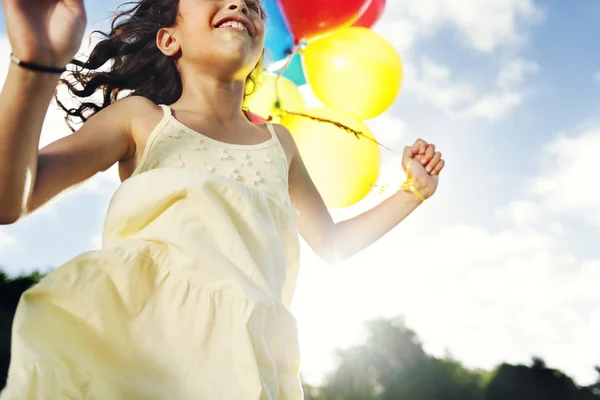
<point x="356" y="133"/>
<point x="288" y="61"/>
<point x="280" y="74"/>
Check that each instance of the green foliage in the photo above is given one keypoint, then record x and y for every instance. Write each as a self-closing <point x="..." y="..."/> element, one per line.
<point x="537" y="382"/>
<point x="10" y="293"/>
<point x="390" y="364"/>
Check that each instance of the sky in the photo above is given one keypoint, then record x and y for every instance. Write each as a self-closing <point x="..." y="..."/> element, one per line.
<point x="503" y="263"/>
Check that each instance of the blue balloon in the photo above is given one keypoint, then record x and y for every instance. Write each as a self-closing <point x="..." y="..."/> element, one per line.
<point x="279" y="41"/>
<point x="295" y="72"/>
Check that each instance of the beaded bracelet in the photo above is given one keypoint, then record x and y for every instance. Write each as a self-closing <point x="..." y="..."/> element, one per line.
<point x="36" y="67"/>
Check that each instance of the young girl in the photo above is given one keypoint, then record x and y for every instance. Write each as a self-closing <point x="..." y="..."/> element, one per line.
<point x="189" y="296"/>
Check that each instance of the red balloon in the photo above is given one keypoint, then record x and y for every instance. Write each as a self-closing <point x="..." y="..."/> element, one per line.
<point x="372" y="14"/>
<point x="309" y="19"/>
<point x="254" y="118"/>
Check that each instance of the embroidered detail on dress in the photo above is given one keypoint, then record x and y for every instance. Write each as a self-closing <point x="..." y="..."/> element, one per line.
<point x="198" y="145"/>
<point x="256" y="178"/>
<point x="223" y="154"/>
<point x="234" y="175"/>
<point x="178" y="162"/>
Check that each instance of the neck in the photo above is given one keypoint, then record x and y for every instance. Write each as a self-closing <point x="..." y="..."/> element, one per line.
<point x="211" y="96"/>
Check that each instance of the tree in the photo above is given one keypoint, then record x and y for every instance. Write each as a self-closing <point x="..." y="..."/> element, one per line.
<point x="595" y="388"/>
<point x="537" y="382"/>
<point x="391" y="364"/>
<point x="10" y="293"/>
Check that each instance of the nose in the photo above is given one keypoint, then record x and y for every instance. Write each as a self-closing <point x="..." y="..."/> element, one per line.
<point x="239" y="5"/>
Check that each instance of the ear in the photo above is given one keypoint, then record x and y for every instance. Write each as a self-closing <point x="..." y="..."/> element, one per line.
<point x="166" y="42"/>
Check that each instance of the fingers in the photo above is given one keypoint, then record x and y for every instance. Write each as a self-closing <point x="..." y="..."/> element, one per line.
<point x="429" y="153"/>
<point x="407" y="155"/>
<point x="426" y="155"/>
<point x="437" y="156"/>
<point x="438" y="168"/>
<point x="419" y="146"/>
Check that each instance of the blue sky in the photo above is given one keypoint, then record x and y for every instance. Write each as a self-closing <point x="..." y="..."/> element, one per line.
<point x="503" y="262"/>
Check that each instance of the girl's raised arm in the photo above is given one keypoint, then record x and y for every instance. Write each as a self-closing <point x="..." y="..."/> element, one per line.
<point x="46" y="33"/>
<point x="49" y="33"/>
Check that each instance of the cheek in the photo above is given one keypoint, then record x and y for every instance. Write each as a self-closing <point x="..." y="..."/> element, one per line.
<point x="197" y="19"/>
<point x="261" y="30"/>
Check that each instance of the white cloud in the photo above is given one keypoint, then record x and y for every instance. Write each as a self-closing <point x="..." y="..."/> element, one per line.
<point x="509" y="93"/>
<point x="568" y="184"/>
<point x="6" y="241"/>
<point x="495" y="105"/>
<point x="525" y="214"/>
<point x="388" y="130"/>
<point x="483" y="25"/>
<point x="514" y="72"/>
<point x="488" y="295"/>
<point x="433" y="84"/>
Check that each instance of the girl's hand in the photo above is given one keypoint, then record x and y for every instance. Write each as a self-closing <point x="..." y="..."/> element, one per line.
<point x="46" y="32"/>
<point x="425" y="167"/>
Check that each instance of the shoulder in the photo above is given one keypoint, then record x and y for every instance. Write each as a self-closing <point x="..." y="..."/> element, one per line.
<point x="129" y="112"/>
<point x="285" y="137"/>
<point x="132" y="106"/>
<point x="282" y="131"/>
<point x="287" y="142"/>
<point x="141" y="114"/>
<point x="137" y="108"/>
<point x="138" y="115"/>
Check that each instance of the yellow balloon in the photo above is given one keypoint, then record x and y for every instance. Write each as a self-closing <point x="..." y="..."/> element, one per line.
<point x="262" y="101"/>
<point x="343" y="167"/>
<point x="354" y="69"/>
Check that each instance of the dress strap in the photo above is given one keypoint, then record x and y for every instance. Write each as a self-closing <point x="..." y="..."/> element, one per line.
<point x="272" y="131"/>
<point x="166" y="109"/>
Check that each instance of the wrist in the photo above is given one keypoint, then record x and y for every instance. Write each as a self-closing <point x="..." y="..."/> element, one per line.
<point x="409" y="198"/>
<point x="415" y="188"/>
<point x="39" y="67"/>
<point x="30" y="81"/>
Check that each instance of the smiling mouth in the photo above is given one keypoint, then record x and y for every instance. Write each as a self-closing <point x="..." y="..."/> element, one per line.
<point x="235" y="25"/>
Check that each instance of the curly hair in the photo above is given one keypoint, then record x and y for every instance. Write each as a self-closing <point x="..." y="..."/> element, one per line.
<point x="137" y="66"/>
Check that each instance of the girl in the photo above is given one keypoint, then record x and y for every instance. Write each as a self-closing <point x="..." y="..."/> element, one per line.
<point x="189" y="296"/>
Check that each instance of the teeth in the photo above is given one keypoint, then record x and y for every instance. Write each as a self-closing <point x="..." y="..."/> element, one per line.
<point x="234" y="24"/>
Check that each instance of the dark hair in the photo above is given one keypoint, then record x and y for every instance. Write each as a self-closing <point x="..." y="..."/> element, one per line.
<point x="137" y="67"/>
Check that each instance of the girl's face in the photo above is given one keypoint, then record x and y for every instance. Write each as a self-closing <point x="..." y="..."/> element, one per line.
<point x="226" y="36"/>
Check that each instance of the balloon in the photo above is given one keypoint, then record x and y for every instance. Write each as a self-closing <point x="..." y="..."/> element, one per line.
<point x="372" y="14"/>
<point x="295" y="72"/>
<point x="309" y="19"/>
<point x="354" y="69"/>
<point x="255" y="118"/>
<point x="279" y="42"/>
<point x="343" y="167"/>
<point x="262" y="101"/>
